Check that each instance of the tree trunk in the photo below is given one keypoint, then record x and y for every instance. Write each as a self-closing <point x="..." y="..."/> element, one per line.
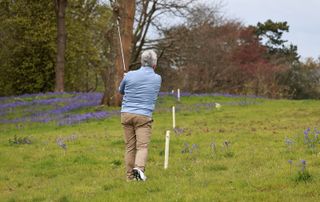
<point x="60" y="7"/>
<point x="113" y="75"/>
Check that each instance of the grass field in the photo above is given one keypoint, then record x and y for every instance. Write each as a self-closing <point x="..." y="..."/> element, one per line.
<point x="252" y="149"/>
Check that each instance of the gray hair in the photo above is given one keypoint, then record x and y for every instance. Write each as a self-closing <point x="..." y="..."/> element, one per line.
<point x="148" y="58"/>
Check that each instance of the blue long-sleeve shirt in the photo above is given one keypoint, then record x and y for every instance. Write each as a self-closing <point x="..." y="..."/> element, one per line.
<point x="140" y="89"/>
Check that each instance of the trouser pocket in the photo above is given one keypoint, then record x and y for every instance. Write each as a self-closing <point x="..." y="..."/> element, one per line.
<point x="144" y="121"/>
<point x="125" y="118"/>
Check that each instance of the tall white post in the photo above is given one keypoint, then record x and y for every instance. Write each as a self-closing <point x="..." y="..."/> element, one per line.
<point x="178" y="94"/>
<point x="173" y="117"/>
<point x="166" y="151"/>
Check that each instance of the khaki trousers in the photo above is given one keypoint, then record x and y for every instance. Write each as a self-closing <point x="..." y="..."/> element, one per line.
<point x="137" y="133"/>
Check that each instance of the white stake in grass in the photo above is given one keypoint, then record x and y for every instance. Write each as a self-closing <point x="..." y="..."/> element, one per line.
<point x="166" y="151"/>
<point x="173" y="117"/>
<point x="178" y="94"/>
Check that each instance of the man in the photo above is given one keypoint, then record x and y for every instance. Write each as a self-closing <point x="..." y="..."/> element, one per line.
<point x="140" y="89"/>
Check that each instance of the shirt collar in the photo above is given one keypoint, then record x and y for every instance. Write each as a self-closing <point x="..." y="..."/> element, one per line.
<point x="147" y="68"/>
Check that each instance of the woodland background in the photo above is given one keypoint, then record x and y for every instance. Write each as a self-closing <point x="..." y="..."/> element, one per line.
<point x="199" y="50"/>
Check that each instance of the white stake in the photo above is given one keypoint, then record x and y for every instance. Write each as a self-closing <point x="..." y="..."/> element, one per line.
<point x="178" y="95"/>
<point x="173" y="117"/>
<point x="166" y="151"/>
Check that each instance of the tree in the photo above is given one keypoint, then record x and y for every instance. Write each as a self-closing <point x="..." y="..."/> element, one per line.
<point x="199" y="51"/>
<point x="124" y="12"/>
<point x="27" y="31"/>
<point x="136" y="20"/>
<point x="292" y="78"/>
<point x="220" y="56"/>
<point x="60" y="10"/>
<point x="86" y="22"/>
<point x="302" y="80"/>
<point x="149" y="16"/>
<point x="272" y="33"/>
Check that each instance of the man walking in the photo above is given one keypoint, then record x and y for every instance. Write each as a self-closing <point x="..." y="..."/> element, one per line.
<point x="140" y="89"/>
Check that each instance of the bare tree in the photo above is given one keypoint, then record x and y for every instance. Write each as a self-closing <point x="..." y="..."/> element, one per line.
<point x="151" y="14"/>
<point x="60" y="8"/>
<point x="198" y="50"/>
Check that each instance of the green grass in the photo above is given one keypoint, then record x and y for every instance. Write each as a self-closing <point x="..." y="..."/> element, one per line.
<point x="253" y="168"/>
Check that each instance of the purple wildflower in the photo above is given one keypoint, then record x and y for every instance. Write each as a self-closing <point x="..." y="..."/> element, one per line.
<point x="194" y="147"/>
<point x="61" y="143"/>
<point x="288" y="141"/>
<point x="306" y="136"/>
<point x="213" y="147"/>
<point x="43" y="108"/>
<point x="186" y="148"/>
<point x="178" y="131"/>
<point x="303" y="165"/>
<point x="77" y="118"/>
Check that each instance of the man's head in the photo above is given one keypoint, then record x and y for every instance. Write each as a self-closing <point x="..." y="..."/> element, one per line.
<point x="149" y="58"/>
